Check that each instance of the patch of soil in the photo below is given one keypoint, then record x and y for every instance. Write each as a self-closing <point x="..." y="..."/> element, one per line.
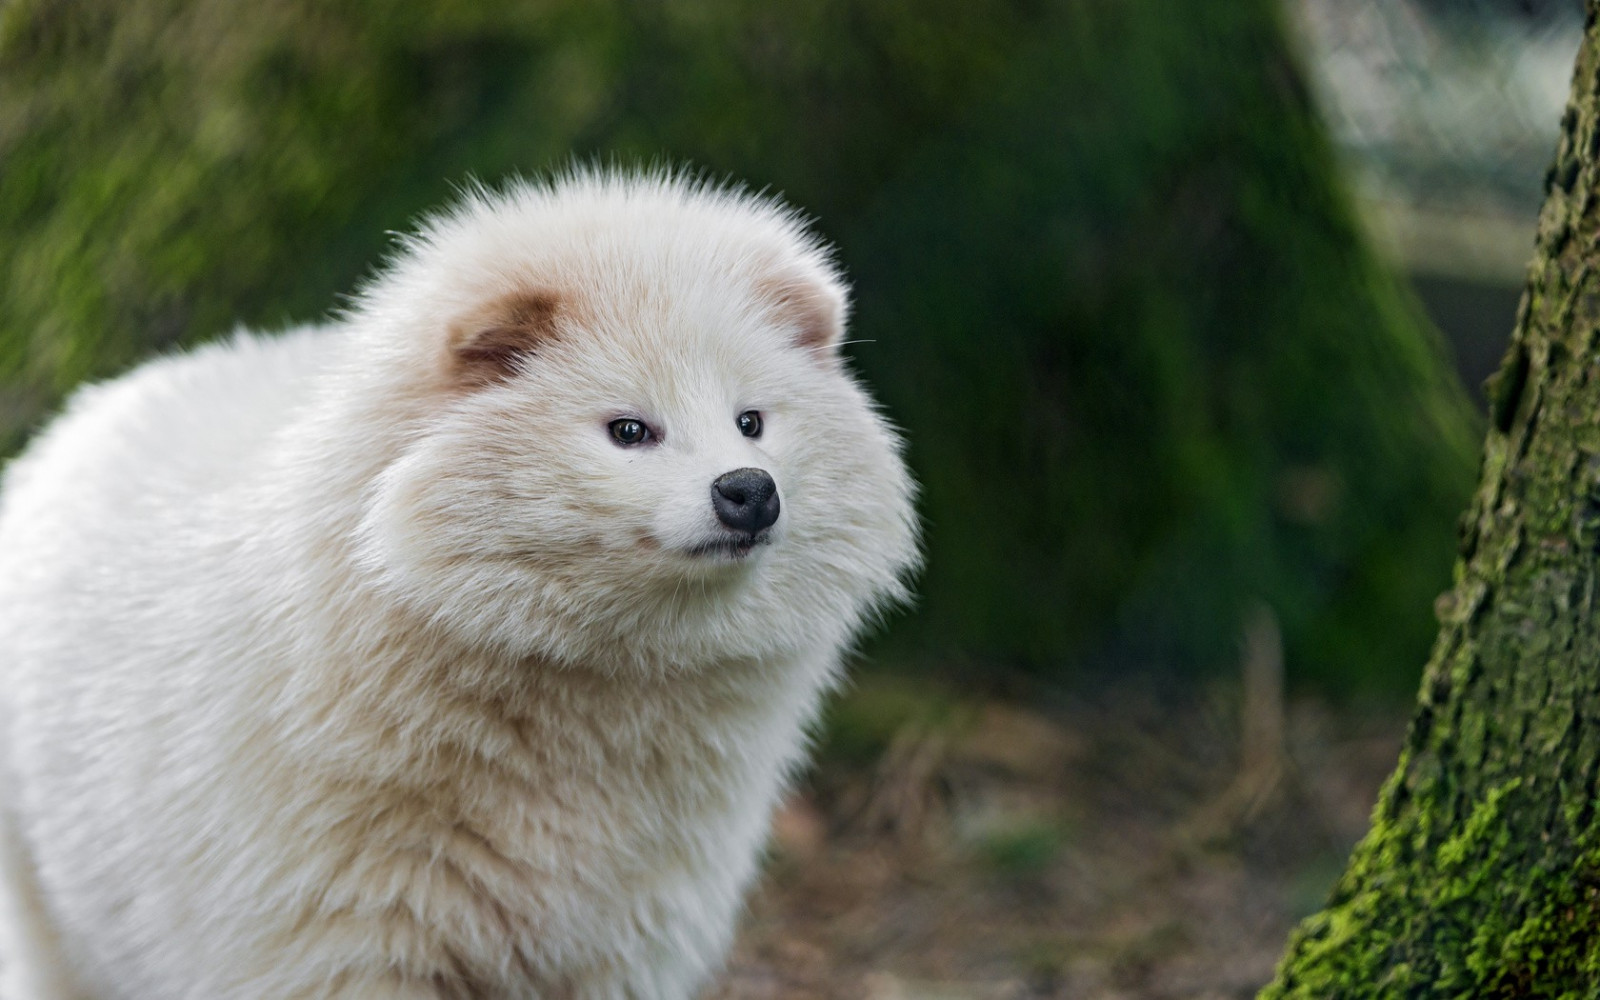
<point x="1121" y="848"/>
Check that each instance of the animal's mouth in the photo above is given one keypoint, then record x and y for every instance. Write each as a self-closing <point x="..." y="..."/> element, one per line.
<point x="730" y="547"/>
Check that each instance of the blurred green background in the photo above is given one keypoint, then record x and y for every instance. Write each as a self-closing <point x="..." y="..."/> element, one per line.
<point x="1109" y="277"/>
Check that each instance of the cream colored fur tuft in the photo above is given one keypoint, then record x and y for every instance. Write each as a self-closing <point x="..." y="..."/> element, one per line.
<point x="364" y="662"/>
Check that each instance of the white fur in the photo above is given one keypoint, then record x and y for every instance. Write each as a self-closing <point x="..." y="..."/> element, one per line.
<point x="325" y="673"/>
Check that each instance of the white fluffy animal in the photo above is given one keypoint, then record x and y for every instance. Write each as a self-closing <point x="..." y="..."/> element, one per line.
<point x="460" y="648"/>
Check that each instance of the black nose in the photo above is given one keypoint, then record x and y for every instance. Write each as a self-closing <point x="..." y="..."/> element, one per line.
<point x="745" y="500"/>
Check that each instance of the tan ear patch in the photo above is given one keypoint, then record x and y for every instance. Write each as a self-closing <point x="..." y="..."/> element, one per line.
<point x="812" y="308"/>
<point x="492" y="343"/>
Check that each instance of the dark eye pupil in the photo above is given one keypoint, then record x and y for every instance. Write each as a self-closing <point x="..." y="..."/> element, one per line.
<point x="750" y="424"/>
<point x="627" y="431"/>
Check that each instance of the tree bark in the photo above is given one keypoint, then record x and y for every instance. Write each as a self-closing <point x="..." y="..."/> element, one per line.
<point x="1480" y="876"/>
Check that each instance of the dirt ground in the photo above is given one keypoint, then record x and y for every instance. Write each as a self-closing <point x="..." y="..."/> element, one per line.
<point x="1126" y="847"/>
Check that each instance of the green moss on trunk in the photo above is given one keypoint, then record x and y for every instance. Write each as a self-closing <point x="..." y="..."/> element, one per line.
<point x="1481" y="874"/>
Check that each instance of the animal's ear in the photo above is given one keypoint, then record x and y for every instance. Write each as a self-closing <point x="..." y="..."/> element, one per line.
<point x="813" y="307"/>
<point x="494" y="341"/>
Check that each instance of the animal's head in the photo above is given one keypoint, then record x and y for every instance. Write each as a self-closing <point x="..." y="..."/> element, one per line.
<point x="638" y="442"/>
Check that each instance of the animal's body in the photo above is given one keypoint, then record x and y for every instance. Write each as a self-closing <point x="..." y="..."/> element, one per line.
<point x="459" y="648"/>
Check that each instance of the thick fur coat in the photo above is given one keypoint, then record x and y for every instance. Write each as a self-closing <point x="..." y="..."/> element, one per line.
<point x="378" y="659"/>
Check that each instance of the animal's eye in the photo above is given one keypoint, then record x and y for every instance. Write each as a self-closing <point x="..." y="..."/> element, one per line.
<point x="629" y="431"/>
<point x="750" y="424"/>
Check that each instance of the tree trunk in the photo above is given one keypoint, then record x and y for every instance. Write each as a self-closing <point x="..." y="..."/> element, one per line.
<point x="1481" y="874"/>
